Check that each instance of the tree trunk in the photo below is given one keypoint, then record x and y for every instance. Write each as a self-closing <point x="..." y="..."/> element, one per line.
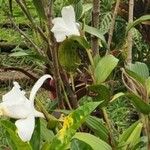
<point x="130" y="38"/>
<point x="95" y="23"/>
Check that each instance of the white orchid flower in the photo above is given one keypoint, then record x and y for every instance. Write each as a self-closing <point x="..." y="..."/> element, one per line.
<point x="65" y="26"/>
<point x="16" y="105"/>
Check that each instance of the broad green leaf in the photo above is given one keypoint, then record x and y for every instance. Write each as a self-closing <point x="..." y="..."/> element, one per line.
<point x="96" y="125"/>
<point x="140" y="69"/>
<point x="79" y="145"/>
<point x="78" y="8"/>
<point x="138" y="21"/>
<point x="17" y="142"/>
<point x="104" y="67"/>
<point x="39" y="5"/>
<point x="71" y="123"/>
<point x="93" y="141"/>
<point x="100" y="93"/>
<point x="95" y="32"/>
<point x="131" y="136"/>
<point x="36" y="137"/>
<point x="68" y="56"/>
<point x="147" y="84"/>
<point x="139" y="103"/>
<point x="96" y="59"/>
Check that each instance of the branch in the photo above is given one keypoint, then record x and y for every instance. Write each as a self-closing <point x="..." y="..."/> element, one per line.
<point x="25" y="72"/>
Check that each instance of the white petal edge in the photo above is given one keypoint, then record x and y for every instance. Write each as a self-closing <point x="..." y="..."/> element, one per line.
<point x="37" y="85"/>
<point x="15" y="95"/>
<point x="68" y="16"/>
<point x="16" y="111"/>
<point x="25" y="128"/>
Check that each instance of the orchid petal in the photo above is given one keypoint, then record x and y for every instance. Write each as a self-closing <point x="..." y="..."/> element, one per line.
<point x="15" y="95"/>
<point x="59" y="36"/>
<point x="38" y="114"/>
<point x="65" y="26"/>
<point x="60" y="26"/>
<point x="68" y="16"/>
<point x="25" y="128"/>
<point x="17" y="111"/>
<point x="37" y="85"/>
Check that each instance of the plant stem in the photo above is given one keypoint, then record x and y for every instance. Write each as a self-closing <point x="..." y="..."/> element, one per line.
<point x="129" y="38"/>
<point x="90" y="57"/>
<point x="56" y="72"/>
<point x="95" y="23"/>
<point x="66" y="97"/>
<point x="112" y="26"/>
<point x="109" y="126"/>
<point x="48" y="116"/>
<point x="72" y="95"/>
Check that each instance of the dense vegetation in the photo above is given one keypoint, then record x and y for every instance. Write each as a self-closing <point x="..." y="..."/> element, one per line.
<point x="97" y="97"/>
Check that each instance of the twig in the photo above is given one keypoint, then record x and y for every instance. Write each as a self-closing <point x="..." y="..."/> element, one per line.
<point x="27" y="38"/>
<point x="112" y="26"/>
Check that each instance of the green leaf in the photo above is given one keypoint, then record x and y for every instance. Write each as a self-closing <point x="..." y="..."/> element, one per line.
<point x="93" y="141"/>
<point x="100" y="93"/>
<point x="36" y="137"/>
<point x="81" y="40"/>
<point x="71" y="123"/>
<point x="19" y="54"/>
<point x="139" y="103"/>
<point x="46" y="134"/>
<point x="95" y="32"/>
<point x="131" y="136"/>
<point x="96" y="125"/>
<point x="140" y="69"/>
<point x="46" y="146"/>
<point x="116" y="96"/>
<point x="17" y="142"/>
<point x="39" y="5"/>
<point x="78" y="8"/>
<point x="147" y="84"/>
<point x="68" y="56"/>
<point x="104" y="67"/>
<point x="79" y="145"/>
<point x="86" y="8"/>
<point x="138" y="21"/>
<point x="105" y="22"/>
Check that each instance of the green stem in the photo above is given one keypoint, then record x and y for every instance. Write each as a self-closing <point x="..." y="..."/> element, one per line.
<point x="48" y="116"/>
<point x="109" y="126"/>
<point x="72" y="82"/>
<point x="90" y="57"/>
<point x="66" y="97"/>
